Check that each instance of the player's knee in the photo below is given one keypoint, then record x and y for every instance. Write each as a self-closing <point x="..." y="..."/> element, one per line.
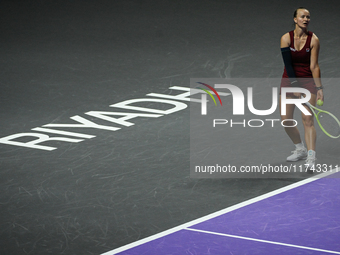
<point x="308" y="122"/>
<point x="286" y="118"/>
<point x="289" y="123"/>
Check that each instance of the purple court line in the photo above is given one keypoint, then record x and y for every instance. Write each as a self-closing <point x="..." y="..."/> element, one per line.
<point x="186" y="226"/>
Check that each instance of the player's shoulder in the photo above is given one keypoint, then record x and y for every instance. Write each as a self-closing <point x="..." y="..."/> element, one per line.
<point x="285" y="40"/>
<point x="314" y="37"/>
<point x="286" y="36"/>
<point x="315" y="40"/>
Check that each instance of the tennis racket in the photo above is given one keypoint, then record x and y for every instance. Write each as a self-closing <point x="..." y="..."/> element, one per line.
<point x="328" y="123"/>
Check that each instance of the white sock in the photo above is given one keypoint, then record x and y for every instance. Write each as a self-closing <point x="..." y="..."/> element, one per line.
<point x="299" y="145"/>
<point x="311" y="153"/>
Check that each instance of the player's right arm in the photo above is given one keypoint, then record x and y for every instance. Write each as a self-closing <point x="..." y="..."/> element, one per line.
<point x="285" y="40"/>
<point x="287" y="59"/>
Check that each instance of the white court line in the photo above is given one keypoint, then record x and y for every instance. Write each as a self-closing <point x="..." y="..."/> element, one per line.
<point x="218" y="213"/>
<point x="262" y="241"/>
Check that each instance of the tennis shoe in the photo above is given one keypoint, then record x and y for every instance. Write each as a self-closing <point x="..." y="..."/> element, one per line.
<point x="310" y="161"/>
<point x="298" y="154"/>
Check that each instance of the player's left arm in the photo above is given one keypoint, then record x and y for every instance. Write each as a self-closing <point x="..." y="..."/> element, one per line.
<point x="314" y="65"/>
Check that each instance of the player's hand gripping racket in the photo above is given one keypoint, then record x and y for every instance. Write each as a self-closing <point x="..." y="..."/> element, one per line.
<point x="328" y="123"/>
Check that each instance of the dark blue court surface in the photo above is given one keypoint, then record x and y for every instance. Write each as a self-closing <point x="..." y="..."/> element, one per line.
<point x="93" y="157"/>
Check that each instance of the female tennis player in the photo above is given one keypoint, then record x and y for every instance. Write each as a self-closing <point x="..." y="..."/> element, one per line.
<point x="300" y="52"/>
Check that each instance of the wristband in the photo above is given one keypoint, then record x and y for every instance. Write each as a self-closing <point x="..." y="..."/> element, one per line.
<point x="318" y="88"/>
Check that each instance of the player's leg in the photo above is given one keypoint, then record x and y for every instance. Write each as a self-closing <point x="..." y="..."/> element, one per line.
<point x="292" y="131"/>
<point x="310" y="134"/>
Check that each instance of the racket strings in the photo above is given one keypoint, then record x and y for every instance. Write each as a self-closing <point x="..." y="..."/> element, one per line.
<point x="329" y="124"/>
